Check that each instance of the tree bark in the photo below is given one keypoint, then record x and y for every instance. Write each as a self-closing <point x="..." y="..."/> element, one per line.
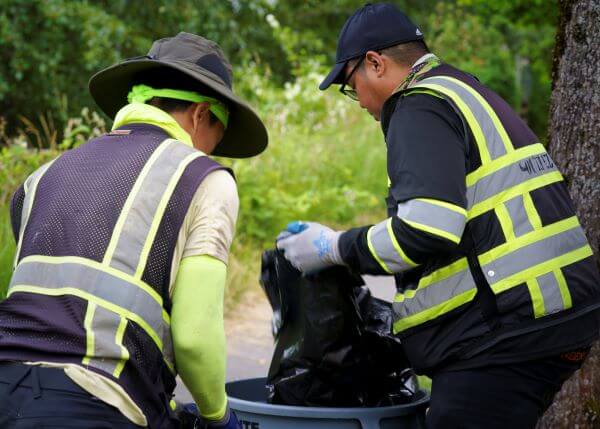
<point x="574" y="143"/>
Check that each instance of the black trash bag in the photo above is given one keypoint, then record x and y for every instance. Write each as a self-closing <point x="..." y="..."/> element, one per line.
<point x="333" y="341"/>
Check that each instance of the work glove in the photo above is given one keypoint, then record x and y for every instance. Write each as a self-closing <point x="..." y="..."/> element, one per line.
<point x="310" y="246"/>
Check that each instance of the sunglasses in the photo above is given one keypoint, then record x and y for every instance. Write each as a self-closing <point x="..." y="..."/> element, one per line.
<point x="351" y="92"/>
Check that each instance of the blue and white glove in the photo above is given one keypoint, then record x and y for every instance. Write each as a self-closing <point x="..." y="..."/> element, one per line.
<point x="310" y="246"/>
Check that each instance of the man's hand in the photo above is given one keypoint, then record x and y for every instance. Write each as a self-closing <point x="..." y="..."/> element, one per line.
<point x="310" y="246"/>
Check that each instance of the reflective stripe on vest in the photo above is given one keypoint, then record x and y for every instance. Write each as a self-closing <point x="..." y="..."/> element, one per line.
<point x="436" y="217"/>
<point x="490" y="136"/>
<point x="438" y="293"/>
<point x="386" y="250"/>
<point x="99" y="322"/>
<point x="525" y="170"/>
<point x="432" y="216"/>
<point x="113" y="288"/>
<point x="532" y="254"/>
<point x="138" y="222"/>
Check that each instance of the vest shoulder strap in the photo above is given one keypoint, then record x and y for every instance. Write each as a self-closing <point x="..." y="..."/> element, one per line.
<point x="490" y="135"/>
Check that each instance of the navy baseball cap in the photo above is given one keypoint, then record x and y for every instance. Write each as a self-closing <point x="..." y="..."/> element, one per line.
<point x="371" y="28"/>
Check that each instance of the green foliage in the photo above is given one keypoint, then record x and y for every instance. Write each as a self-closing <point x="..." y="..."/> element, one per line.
<point x="295" y="182"/>
<point x="465" y="41"/>
<point x="525" y="29"/>
<point x="79" y="130"/>
<point x="326" y="159"/>
<point x="50" y="48"/>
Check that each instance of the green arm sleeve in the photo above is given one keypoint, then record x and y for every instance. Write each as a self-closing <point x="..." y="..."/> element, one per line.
<point x="198" y="332"/>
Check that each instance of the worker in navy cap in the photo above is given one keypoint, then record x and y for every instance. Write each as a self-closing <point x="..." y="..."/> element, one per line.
<point x="498" y="290"/>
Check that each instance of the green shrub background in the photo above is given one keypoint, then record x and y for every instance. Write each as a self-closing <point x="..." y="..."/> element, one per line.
<point x="326" y="159"/>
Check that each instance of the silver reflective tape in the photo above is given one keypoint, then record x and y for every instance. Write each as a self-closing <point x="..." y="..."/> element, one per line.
<point x="107" y="353"/>
<point x="435" y="294"/>
<point x="509" y="176"/>
<point x="385" y="250"/>
<point x="167" y="351"/>
<point x="518" y="215"/>
<point x="31" y="184"/>
<point x="139" y="218"/>
<point x="492" y="137"/>
<point x="100" y="284"/>
<point x="28" y="200"/>
<point x="433" y="215"/>
<point x="553" y="301"/>
<point x="519" y="260"/>
<point x="533" y="254"/>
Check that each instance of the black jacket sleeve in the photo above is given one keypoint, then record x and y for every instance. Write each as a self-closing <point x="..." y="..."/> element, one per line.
<point x="426" y="159"/>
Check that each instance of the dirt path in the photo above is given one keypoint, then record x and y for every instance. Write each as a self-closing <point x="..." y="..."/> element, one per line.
<point x="249" y="338"/>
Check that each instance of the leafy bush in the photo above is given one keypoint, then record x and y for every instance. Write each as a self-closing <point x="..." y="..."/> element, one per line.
<point x="506" y="43"/>
<point x="49" y="50"/>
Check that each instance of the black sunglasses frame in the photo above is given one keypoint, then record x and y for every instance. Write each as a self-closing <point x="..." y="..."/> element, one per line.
<point x="351" y="93"/>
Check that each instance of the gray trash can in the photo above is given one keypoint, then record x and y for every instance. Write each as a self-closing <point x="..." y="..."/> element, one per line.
<point x="248" y="398"/>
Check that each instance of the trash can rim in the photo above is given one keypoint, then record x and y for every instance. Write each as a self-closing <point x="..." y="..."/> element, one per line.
<point x="324" y="412"/>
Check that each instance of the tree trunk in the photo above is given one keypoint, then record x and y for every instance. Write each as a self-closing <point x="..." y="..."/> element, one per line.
<point x="574" y="142"/>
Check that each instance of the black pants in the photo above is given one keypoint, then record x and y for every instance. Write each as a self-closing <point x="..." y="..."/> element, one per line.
<point x="34" y="397"/>
<point x="510" y="396"/>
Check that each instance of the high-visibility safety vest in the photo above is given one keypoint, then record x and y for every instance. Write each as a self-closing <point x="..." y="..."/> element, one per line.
<point x="91" y="283"/>
<point x="523" y="261"/>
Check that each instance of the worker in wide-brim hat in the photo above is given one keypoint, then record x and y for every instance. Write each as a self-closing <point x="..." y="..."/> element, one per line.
<point x="122" y="250"/>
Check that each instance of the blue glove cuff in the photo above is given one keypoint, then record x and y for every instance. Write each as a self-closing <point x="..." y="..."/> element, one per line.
<point x="296" y="227"/>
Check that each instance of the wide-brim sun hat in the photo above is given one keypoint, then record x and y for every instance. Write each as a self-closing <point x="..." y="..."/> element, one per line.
<point x="203" y="61"/>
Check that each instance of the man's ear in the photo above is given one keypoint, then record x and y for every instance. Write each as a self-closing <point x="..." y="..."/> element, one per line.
<point x="375" y="63"/>
<point x="200" y="113"/>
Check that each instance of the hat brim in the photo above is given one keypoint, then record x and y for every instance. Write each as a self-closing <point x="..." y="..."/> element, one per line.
<point x="334" y="76"/>
<point x="245" y="135"/>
